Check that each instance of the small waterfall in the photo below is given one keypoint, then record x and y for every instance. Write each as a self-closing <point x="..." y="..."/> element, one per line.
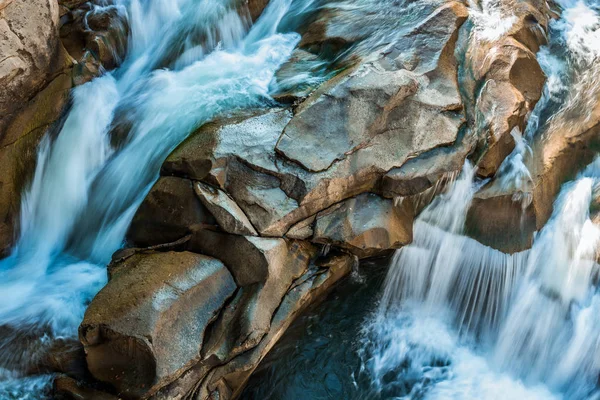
<point x="530" y="320"/>
<point x="188" y="62"/>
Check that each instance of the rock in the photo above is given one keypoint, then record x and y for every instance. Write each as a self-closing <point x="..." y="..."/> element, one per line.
<point x="147" y="325"/>
<point x="502" y="220"/>
<point x="302" y="230"/>
<point x="260" y="195"/>
<point x="228" y="214"/>
<point x="64" y="356"/>
<point x="501" y="79"/>
<point x="29" y="49"/>
<point x="434" y="168"/>
<point x="502" y="108"/>
<point x="366" y="225"/>
<point x="18" y="151"/>
<point x="249" y="137"/>
<point x="208" y="379"/>
<point x="66" y="388"/>
<point x="96" y="37"/>
<point x="288" y="168"/>
<point x="169" y="212"/>
<point x="378" y="100"/>
<point x="560" y="151"/>
<point x="264" y="269"/>
<point x="256" y="7"/>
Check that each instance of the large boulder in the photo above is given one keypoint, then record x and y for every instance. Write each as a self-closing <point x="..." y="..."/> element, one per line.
<point x="289" y="166"/>
<point x="147" y="325"/>
<point x="500" y="76"/>
<point x="264" y="269"/>
<point x="209" y="379"/>
<point x="559" y="152"/>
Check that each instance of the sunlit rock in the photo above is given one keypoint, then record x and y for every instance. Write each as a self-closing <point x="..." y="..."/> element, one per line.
<point x="209" y="379"/>
<point x="500" y="76"/>
<point x="366" y="225"/>
<point x="264" y="269"/>
<point x="148" y="324"/>
<point x="29" y="51"/>
<point x="379" y="99"/>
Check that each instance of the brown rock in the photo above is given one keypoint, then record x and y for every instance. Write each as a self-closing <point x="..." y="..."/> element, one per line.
<point x="29" y="49"/>
<point x="264" y="269"/>
<point x="18" y="151"/>
<point x="228" y="214"/>
<point x="504" y="221"/>
<point x="66" y="388"/>
<point x="503" y="108"/>
<point x="208" y="378"/>
<point x="148" y="324"/>
<point x="366" y="225"/>
<point x="560" y="151"/>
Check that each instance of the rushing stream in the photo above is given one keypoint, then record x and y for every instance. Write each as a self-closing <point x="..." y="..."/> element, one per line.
<point x="188" y="62"/>
<point x="455" y="319"/>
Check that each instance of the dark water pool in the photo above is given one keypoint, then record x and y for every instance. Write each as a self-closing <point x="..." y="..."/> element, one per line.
<point x="318" y="356"/>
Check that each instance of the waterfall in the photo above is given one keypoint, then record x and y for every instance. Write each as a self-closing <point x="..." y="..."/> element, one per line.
<point x="188" y="61"/>
<point x="475" y="319"/>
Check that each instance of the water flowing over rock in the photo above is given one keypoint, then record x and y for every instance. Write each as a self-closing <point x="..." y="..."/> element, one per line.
<point x="231" y="161"/>
<point x="139" y="334"/>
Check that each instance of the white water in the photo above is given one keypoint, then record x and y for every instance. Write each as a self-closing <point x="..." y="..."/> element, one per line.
<point x="188" y="61"/>
<point x="470" y="322"/>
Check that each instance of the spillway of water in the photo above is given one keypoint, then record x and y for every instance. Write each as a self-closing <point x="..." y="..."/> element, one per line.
<point x="188" y="61"/>
<point x="475" y="319"/>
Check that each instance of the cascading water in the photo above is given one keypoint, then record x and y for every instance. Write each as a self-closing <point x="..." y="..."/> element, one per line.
<point x="472" y="320"/>
<point x="571" y="62"/>
<point x="188" y="61"/>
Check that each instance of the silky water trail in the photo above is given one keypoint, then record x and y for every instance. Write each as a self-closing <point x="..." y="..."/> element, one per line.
<point x="188" y="61"/>
<point x="454" y="319"/>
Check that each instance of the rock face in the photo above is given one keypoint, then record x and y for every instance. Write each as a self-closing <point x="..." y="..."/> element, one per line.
<point x="29" y="49"/>
<point x="249" y="200"/>
<point x="169" y="212"/>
